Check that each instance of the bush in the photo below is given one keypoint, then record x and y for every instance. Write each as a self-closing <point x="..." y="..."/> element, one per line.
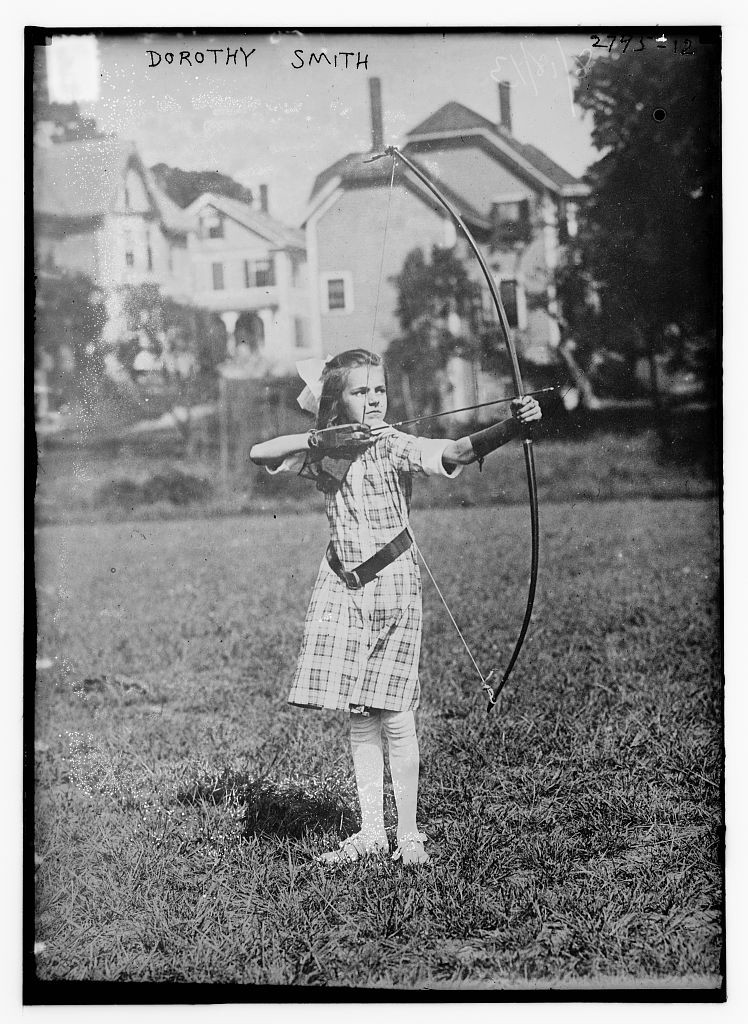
<point x="172" y="485"/>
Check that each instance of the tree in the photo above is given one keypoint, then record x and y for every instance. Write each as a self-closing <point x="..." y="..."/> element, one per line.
<point x="200" y="331"/>
<point x="69" y="317"/>
<point x="436" y="300"/>
<point x="183" y="187"/>
<point x="649" y="242"/>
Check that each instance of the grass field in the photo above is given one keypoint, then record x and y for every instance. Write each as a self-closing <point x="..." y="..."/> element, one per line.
<point x="575" y="832"/>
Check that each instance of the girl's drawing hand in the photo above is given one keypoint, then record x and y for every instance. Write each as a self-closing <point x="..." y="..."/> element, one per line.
<point x="350" y="437"/>
<point x="526" y="410"/>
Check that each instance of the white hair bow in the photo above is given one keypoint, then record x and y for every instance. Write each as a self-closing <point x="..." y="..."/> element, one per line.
<point x="310" y="371"/>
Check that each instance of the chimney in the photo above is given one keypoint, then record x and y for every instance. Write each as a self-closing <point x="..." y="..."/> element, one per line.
<point x="505" y="106"/>
<point x="375" y="98"/>
<point x="263" y="198"/>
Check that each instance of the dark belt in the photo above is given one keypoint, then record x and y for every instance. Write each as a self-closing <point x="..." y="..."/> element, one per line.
<point x="357" y="578"/>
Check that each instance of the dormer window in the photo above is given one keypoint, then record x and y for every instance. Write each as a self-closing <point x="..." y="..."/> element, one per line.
<point x="212" y="225"/>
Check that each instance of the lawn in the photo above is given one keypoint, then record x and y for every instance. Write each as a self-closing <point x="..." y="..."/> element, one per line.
<point x="575" y="833"/>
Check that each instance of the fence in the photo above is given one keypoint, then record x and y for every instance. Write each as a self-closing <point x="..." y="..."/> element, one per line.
<point x="250" y="410"/>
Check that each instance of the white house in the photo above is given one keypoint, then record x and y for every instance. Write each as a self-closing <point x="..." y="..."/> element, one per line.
<point x="518" y="203"/>
<point x="97" y="211"/>
<point x="251" y="269"/>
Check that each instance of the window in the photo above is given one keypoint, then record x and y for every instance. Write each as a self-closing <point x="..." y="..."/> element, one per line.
<point x="298" y="272"/>
<point x="264" y="274"/>
<point x="217" y="277"/>
<point x="509" y="212"/>
<point x="300" y="332"/>
<point x="212" y="225"/>
<point x="511" y="221"/>
<point x="515" y="212"/>
<point x="513" y="299"/>
<point x="259" y="273"/>
<point x="572" y="225"/>
<point x="337" y="292"/>
<point x="508" y="291"/>
<point x="129" y="249"/>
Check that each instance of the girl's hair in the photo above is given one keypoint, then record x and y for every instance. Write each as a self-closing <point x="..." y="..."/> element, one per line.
<point x="334" y="378"/>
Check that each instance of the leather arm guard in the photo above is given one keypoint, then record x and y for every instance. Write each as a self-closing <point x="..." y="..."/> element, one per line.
<point x="486" y="441"/>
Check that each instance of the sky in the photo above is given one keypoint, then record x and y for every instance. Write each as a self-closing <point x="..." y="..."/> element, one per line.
<point x="261" y="120"/>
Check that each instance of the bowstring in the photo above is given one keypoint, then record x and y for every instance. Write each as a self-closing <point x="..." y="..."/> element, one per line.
<point x="379" y="280"/>
<point x="485" y="685"/>
<point x="484" y="679"/>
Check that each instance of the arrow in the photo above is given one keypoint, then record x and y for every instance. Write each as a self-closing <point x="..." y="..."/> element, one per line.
<point x="465" y="408"/>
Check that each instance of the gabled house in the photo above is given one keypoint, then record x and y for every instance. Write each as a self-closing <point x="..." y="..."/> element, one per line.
<point x="519" y="204"/>
<point x="529" y="201"/>
<point x="98" y="211"/>
<point x="251" y="269"/>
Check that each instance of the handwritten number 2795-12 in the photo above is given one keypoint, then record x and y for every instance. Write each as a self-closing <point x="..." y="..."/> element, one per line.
<point x="625" y="42"/>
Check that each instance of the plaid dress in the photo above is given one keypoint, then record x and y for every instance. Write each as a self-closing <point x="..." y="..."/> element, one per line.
<point x="361" y="647"/>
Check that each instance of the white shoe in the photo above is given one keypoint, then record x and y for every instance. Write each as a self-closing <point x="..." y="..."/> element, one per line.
<point x="362" y="844"/>
<point x="410" y="849"/>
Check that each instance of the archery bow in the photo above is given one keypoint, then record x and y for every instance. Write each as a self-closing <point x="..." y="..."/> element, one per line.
<point x="392" y="151"/>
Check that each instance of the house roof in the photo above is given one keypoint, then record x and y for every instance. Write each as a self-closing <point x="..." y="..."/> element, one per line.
<point x="352" y="171"/>
<point x="279" y="234"/>
<point x="454" y="118"/>
<point x="173" y="216"/>
<point x="79" y="179"/>
<point x="82" y="179"/>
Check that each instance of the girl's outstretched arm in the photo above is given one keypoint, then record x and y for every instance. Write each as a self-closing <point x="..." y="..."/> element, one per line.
<point x="266" y="453"/>
<point x="476" y="446"/>
<point x="338" y="441"/>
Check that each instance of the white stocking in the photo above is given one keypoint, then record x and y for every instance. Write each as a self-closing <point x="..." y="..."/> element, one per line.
<point x="400" y="730"/>
<point x="368" y="762"/>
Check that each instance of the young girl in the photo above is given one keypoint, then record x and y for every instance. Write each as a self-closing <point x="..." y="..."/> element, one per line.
<point x="362" y="635"/>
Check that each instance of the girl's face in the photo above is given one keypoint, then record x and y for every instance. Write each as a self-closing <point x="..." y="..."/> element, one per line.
<point x="364" y="397"/>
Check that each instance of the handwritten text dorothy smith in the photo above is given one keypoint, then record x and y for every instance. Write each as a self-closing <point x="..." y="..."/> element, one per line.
<point x="239" y="57"/>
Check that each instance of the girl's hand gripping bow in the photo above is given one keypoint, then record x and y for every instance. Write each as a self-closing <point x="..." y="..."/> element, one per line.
<point x="347" y="440"/>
